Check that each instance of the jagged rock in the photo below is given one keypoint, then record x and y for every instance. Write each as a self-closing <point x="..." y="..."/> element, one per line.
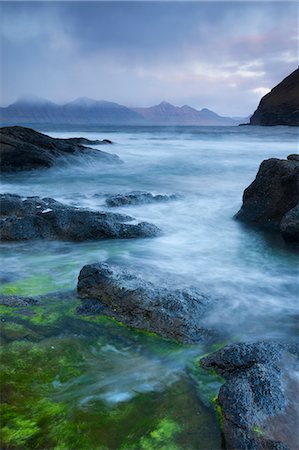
<point x="273" y="193"/>
<point x="137" y="198"/>
<point x="25" y="149"/>
<point x="281" y="105"/>
<point x="254" y="397"/>
<point x="173" y="314"/>
<point x="35" y="218"/>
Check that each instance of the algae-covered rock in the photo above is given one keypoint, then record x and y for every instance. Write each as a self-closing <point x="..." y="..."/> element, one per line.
<point x="174" y="314"/>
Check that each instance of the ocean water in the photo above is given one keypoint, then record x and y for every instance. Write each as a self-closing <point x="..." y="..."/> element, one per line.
<point x="252" y="275"/>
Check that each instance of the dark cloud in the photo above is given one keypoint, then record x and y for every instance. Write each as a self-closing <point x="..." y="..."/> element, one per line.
<point x="215" y="54"/>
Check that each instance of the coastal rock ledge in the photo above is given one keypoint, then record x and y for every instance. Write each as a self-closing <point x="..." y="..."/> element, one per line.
<point x="173" y="314"/>
<point x="36" y="218"/>
<point x="272" y="199"/>
<point x="22" y="148"/>
<point x="257" y="405"/>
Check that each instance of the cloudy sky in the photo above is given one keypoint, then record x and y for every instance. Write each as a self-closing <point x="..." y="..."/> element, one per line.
<point x="219" y="55"/>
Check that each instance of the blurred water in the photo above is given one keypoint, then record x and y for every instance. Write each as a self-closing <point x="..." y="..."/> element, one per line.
<point x="253" y="273"/>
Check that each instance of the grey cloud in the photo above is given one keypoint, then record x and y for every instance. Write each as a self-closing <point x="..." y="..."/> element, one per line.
<point x="141" y="53"/>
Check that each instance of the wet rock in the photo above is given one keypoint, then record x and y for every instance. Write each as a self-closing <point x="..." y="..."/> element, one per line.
<point x="137" y="198"/>
<point x="293" y="157"/>
<point x="174" y="314"/>
<point x="85" y="141"/>
<point x="255" y="392"/>
<point x="289" y="225"/>
<point x="15" y="300"/>
<point x="273" y="193"/>
<point x="25" y="149"/>
<point x="281" y="105"/>
<point x="36" y="218"/>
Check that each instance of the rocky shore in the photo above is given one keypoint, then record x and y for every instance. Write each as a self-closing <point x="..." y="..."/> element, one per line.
<point x="25" y="149"/>
<point x="36" y="218"/>
<point x="256" y="401"/>
<point x="271" y="200"/>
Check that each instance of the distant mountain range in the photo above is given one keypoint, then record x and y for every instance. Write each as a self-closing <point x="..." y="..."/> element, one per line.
<point x="85" y="111"/>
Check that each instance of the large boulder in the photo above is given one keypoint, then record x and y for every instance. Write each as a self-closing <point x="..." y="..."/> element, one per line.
<point x="281" y="105"/>
<point x="137" y="198"/>
<point x="25" y="149"/>
<point x="257" y="403"/>
<point x="36" y="218"/>
<point x="273" y="193"/>
<point x="174" y="314"/>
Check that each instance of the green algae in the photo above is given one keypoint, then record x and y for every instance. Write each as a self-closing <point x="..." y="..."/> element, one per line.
<point x="47" y="362"/>
<point x="35" y="285"/>
<point x="257" y="430"/>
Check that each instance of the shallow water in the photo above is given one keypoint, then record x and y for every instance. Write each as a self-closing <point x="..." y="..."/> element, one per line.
<point x="251" y="274"/>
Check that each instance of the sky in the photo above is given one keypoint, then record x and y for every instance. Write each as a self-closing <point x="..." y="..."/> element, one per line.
<point x="219" y="55"/>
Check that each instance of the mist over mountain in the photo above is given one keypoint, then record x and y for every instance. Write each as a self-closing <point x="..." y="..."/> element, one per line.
<point x="86" y="111"/>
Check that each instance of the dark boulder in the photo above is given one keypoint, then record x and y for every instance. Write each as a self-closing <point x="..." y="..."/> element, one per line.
<point x="35" y="218"/>
<point x="137" y="198"/>
<point x="281" y="105"/>
<point x="25" y="149"/>
<point x="173" y="314"/>
<point x="273" y="193"/>
<point x="255" y="401"/>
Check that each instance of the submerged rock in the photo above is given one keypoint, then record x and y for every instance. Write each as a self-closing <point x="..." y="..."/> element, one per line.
<point x="173" y="314"/>
<point x="281" y="105"/>
<point x="137" y="198"/>
<point x="36" y="218"/>
<point x="273" y="193"/>
<point x="25" y="149"/>
<point x="16" y="300"/>
<point x="254" y="400"/>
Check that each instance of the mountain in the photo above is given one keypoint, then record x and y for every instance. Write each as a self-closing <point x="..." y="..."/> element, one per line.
<point x="281" y="105"/>
<point x="86" y="111"/>
<point x="167" y="114"/>
<point x="79" y="112"/>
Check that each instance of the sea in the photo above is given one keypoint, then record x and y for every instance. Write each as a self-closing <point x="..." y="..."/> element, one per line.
<point x="110" y="387"/>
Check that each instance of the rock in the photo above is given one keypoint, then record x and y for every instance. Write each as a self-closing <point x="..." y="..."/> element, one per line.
<point x="25" y="149"/>
<point x="293" y="157"/>
<point x="254" y="398"/>
<point x="281" y="105"/>
<point x="173" y="314"/>
<point x="85" y="141"/>
<point x="15" y="300"/>
<point x="137" y="198"/>
<point x="273" y="193"/>
<point x="289" y="225"/>
<point x="35" y="218"/>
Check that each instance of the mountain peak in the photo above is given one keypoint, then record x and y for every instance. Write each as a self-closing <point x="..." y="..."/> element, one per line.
<point x="32" y="100"/>
<point x="83" y="101"/>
